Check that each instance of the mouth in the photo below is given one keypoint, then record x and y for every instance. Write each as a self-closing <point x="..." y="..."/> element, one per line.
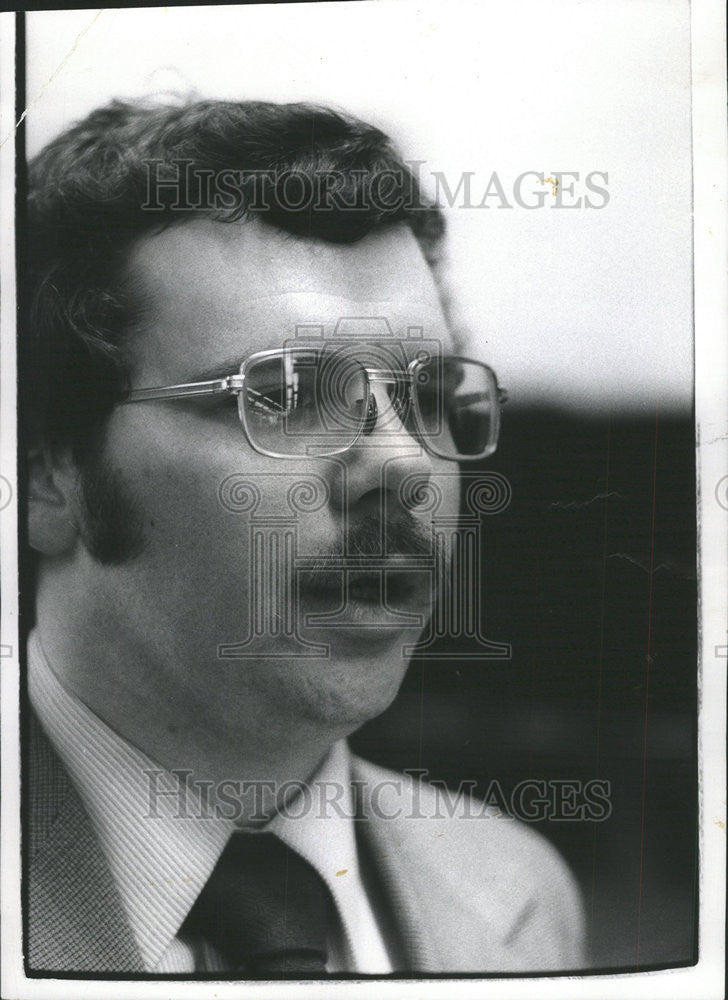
<point x="374" y="588"/>
<point x="389" y="595"/>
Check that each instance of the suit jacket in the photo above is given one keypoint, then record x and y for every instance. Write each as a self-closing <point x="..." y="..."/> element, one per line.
<point x="465" y="895"/>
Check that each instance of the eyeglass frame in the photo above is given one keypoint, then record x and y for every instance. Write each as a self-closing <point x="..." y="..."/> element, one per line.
<point x="234" y="384"/>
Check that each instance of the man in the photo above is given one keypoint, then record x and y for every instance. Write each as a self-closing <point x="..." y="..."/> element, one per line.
<point x="228" y="304"/>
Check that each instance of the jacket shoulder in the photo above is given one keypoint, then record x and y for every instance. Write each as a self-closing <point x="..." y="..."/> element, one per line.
<point x="466" y="858"/>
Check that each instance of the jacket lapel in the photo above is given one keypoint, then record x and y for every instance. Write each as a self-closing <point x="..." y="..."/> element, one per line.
<point x="75" y="917"/>
<point x="387" y="850"/>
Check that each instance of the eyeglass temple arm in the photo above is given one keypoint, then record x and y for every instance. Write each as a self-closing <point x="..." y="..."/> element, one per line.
<point x="233" y="383"/>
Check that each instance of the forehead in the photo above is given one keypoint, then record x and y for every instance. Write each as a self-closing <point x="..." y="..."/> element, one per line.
<point x="214" y="292"/>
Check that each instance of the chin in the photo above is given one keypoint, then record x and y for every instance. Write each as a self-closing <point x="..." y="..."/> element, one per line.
<point x="348" y="693"/>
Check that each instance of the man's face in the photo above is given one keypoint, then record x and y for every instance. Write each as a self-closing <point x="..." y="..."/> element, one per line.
<point x="227" y="531"/>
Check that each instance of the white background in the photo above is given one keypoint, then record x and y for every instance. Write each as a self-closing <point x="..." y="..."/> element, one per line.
<point x="589" y="307"/>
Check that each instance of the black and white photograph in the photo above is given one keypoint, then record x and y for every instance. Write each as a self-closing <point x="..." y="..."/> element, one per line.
<point x="364" y="500"/>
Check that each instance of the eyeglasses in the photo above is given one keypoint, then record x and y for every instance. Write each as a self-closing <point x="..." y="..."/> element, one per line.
<point x="302" y="402"/>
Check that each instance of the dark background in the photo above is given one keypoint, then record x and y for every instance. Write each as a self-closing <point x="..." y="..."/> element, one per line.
<point x="590" y="575"/>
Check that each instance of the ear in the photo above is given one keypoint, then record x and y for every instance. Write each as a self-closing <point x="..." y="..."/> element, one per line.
<point x="52" y="505"/>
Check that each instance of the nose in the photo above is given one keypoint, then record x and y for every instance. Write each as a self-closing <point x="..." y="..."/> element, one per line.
<point x="386" y="463"/>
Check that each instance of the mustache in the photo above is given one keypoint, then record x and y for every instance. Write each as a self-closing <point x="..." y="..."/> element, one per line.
<point x="371" y="541"/>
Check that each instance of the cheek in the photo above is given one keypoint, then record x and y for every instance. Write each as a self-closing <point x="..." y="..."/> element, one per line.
<point x="199" y="485"/>
<point x="176" y="465"/>
<point x="447" y="480"/>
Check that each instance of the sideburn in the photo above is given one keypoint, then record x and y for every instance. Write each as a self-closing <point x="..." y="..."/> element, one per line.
<point x="112" y="527"/>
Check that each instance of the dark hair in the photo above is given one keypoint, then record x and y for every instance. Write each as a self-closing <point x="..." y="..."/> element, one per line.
<point x="128" y="169"/>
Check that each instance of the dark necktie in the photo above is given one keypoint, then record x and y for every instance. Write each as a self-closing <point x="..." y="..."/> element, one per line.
<point x="264" y="908"/>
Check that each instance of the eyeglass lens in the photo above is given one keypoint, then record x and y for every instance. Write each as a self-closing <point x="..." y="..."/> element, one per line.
<point x="305" y="402"/>
<point x="316" y="402"/>
<point x="456" y="400"/>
